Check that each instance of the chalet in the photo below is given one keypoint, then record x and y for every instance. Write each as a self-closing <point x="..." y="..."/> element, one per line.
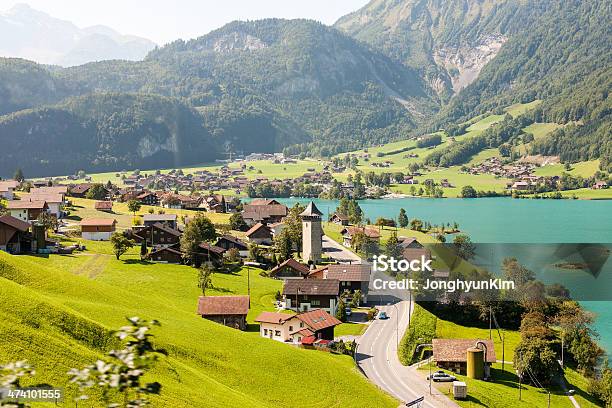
<point x="290" y="269"/>
<point x="314" y="325"/>
<point x="7" y="189"/>
<point x="215" y="203"/>
<point x="264" y="211"/>
<point x="104" y="206"/>
<point x="260" y="234"/>
<point x="229" y="241"/>
<point x="413" y="249"/>
<point x="521" y="186"/>
<point x="371" y="234"/>
<point x="210" y="253"/>
<point x="339" y="219"/>
<point x="98" y="229"/>
<point x="63" y="190"/>
<point x="307" y="294"/>
<point x="79" y="190"/>
<point x="451" y="354"/>
<point x="351" y="277"/>
<point x="168" y="255"/>
<point x="409" y="242"/>
<point x="600" y="185"/>
<point x="170" y="220"/>
<point x="27" y="210"/>
<point x="14" y="235"/>
<point x="147" y="198"/>
<point x="230" y="311"/>
<point x="157" y="235"/>
<point x="55" y="201"/>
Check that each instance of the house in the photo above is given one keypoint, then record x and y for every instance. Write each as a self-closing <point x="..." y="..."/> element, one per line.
<point x="7" y="189"/>
<point x="147" y="198"/>
<point x="27" y="210"/>
<point x="215" y="203"/>
<point x="372" y="235"/>
<point x="210" y="253"/>
<point x="14" y="235"/>
<point x="98" y="229"/>
<point x="520" y="186"/>
<point x="169" y="220"/>
<point x="79" y="190"/>
<point x="600" y="185"/>
<point x="230" y="311"/>
<point x="451" y="354"/>
<point x="260" y="234"/>
<point x="307" y="294"/>
<point x="157" y="235"/>
<point x="228" y="242"/>
<point x="316" y="324"/>
<point x="290" y="269"/>
<point x="104" y="206"/>
<point x="351" y="277"/>
<point x="55" y="201"/>
<point x="166" y="255"/>
<point x="264" y="211"/>
<point x="339" y="219"/>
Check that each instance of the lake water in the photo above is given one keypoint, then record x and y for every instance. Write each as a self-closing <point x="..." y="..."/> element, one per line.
<point x="512" y="221"/>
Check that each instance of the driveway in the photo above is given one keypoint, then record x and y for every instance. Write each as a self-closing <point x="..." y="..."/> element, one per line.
<point x="337" y="252"/>
<point x="377" y="357"/>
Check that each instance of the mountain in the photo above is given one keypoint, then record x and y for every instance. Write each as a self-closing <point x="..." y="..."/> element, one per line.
<point x="482" y="55"/>
<point x="32" y="34"/>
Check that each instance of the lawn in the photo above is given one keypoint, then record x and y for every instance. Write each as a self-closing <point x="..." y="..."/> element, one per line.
<point x="56" y="313"/>
<point x="84" y="208"/>
<point x="584" y="169"/>
<point x="350" y="329"/>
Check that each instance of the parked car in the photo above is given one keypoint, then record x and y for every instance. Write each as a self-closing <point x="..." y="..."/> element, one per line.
<point x="441" y="376"/>
<point x="348" y="311"/>
<point x="382" y="315"/>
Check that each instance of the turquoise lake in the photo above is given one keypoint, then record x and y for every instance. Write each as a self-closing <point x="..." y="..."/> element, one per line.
<point x="510" y="221"/>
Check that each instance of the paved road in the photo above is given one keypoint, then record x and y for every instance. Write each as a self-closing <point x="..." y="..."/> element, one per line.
<point x="377" y="356"/>
<point x="339" y="253"/>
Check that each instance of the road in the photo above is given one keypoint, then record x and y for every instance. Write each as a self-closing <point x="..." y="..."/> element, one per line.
<point x="377" y="357"/>
<point x="337" y="252"/>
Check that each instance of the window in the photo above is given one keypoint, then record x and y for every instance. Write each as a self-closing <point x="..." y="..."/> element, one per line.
<point x="277" y="333"/>
<point x="290" y="328"/>
<point x="315" y="302"/>
<point x="265" y="332"/>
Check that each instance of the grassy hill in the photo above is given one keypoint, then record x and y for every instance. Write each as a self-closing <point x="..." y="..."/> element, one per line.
<point x="57" y="312"/>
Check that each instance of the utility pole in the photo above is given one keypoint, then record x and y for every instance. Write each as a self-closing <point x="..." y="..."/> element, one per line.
<point x="249" y="284"/>
<point x="490" y="312"/>
<point x="503" y="350"/>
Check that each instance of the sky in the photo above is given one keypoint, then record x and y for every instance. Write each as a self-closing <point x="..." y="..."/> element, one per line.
<point x="161" y="22"/>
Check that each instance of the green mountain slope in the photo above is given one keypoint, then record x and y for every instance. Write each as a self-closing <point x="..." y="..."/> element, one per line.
<point x="57" y="313"/>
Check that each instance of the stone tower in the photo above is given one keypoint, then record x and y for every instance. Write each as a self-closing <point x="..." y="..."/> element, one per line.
<point x="312" y="233"/>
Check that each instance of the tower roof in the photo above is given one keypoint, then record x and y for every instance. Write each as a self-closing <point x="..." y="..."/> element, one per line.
<point x="311" y="211"/>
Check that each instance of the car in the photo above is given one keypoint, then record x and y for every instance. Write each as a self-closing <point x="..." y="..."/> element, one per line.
<point x="382" y="316"/>
<point x="348" y="311"/>
<point x="441" y="376"/>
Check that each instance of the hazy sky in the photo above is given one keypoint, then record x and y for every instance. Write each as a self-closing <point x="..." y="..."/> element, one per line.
<point x="162" y="22"/>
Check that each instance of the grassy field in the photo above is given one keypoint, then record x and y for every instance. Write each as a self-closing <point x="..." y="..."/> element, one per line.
<point x="584" y="169"/>
<point x="84" y="208"/>
<point x="56" y="312"/>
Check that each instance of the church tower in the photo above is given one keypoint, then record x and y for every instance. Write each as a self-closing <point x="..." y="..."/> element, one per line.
<point x="312" y="233"/>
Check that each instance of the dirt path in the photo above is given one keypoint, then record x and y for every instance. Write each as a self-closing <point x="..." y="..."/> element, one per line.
<point x="93" y="266"/>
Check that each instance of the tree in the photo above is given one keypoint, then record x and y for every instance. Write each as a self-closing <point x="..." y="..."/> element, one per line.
<point x="232" y="255"/>
<point x="341" y="311"/>
<point x="237" y="223"/>
<point x="48" y="221"/>
<point x="122" y="376"/>
<point x="402" y="219"/>
<point x="19" y="175"/>
<point x="468" y="192"/>
<point x="205" y="278"/>
<point x="535" y="359"/>
<point x="512" y="270"/>
<point x="601" y="387"/>
<point x="134" y="206"/>
<point x="356" y="300"/>
<point x="199" y="229"/>
<point x="121" y="244"/>
<point x="464" y="247"/>
<point x="392" y="247"/>
<point x="143" y="248"/>
<point x="416" y="224"/>
<point x="97" y="192"/>
<point x="283" y="245"/>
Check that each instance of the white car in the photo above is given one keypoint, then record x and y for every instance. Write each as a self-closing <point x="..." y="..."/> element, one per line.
<point x="441" y="376"/>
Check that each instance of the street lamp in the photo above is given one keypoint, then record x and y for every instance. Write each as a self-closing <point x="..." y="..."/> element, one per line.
<point x="417" y="349"/>
<point x="396" y="324"/>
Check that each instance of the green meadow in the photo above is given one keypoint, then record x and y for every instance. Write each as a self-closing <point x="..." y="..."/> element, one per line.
<point x="57" y="312"/>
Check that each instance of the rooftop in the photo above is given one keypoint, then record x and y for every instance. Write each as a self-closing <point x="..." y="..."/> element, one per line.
<point x="223" y="305"/>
